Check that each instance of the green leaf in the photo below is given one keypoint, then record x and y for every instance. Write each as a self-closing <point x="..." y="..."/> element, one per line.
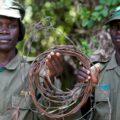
<point x="99" y="7"/>
<point x="104" y="12"/>
<point x="95" y="15"/>
<point x="85" y="23"/>
<point x="102" y="1"/>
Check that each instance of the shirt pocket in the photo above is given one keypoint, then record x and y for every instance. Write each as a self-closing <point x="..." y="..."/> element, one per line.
<point x="102" y="104"/>
<point x="102" y="94"/>
<point x="21" y="102"/>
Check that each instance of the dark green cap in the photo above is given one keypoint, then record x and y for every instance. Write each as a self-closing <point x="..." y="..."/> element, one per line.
<point x="11" y="8"/>
<point x="114" y="16"/>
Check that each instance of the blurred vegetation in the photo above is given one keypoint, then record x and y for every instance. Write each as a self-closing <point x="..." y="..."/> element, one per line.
<point x="51" y="22"/>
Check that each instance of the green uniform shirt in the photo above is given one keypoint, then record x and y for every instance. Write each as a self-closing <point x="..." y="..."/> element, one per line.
<point x="107" y="93"/>
<point x="13" y="88"/>
<point x="13" y="92"/>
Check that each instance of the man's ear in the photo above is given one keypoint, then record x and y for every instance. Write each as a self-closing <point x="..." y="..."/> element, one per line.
<point x="22" y="31"/>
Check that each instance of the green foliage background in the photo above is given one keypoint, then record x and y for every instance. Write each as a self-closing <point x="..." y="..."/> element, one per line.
<point x="51" y="22"/>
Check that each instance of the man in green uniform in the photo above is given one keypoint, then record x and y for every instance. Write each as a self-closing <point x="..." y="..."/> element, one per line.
<point x="107" y="92"/>
<point x="14" y="99"/>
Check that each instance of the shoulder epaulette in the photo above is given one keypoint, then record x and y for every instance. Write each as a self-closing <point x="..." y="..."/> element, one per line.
<point x="103" y="63"/>
<point x="28" y="59"/>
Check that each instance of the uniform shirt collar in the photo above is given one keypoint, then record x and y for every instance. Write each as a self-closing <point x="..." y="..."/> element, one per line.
<point x="112" y="63"/>
<point x="13" y="64"/>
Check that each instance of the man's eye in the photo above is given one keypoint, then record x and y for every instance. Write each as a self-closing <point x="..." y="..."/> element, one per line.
<point x="114" y="27"/>
<point x="11" y="26"/>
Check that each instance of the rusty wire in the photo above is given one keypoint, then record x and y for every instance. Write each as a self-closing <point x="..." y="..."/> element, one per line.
<point x="54" y="102"/>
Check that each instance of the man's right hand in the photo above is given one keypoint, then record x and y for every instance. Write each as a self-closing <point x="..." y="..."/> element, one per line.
<point x="54" y="62"/>
<point x="84" y="74"/>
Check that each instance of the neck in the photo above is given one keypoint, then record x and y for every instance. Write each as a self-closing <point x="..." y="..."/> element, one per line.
<point x="6" y="57"/>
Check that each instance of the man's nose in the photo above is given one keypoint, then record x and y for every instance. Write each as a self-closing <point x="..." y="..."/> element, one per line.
<point x="4" y="30"/>
<point x="118" y="31"/>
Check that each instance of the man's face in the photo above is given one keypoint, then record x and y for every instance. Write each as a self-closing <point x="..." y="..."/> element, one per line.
<point x="9" y="33"/>
<point x="115" y="33"/>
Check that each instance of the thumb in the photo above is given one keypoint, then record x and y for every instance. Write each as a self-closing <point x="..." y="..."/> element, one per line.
<point x="95" y="70"/>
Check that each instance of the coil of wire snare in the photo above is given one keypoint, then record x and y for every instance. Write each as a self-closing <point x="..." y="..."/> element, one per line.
<point x="56" y="103"/>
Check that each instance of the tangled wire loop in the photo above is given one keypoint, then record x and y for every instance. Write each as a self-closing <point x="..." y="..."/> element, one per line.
<point x="54" y="102"/>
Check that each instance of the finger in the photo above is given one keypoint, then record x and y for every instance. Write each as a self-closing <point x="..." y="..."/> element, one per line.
<point x="59" y="56"/>
<point x="80" y="63"/>
<point x="96" y="67"/>
<point x="88" y="79"/>
<point x="81" y="75"/>
<point x="95" y="73"/>
<point x="50" y="66"/>
<point x="57" y="62"/>
<point x="84" y="70"/>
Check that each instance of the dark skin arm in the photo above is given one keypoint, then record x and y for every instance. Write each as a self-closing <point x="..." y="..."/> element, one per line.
<point x="54" y="62"/>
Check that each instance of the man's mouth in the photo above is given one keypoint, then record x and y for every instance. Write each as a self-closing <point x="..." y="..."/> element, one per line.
<point x="4" y="40"/>
<point x="116" y="38"/>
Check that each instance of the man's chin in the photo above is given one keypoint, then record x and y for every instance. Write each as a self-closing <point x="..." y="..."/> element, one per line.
<point x="5" y="48"/>
<point x="117" y="40"/>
